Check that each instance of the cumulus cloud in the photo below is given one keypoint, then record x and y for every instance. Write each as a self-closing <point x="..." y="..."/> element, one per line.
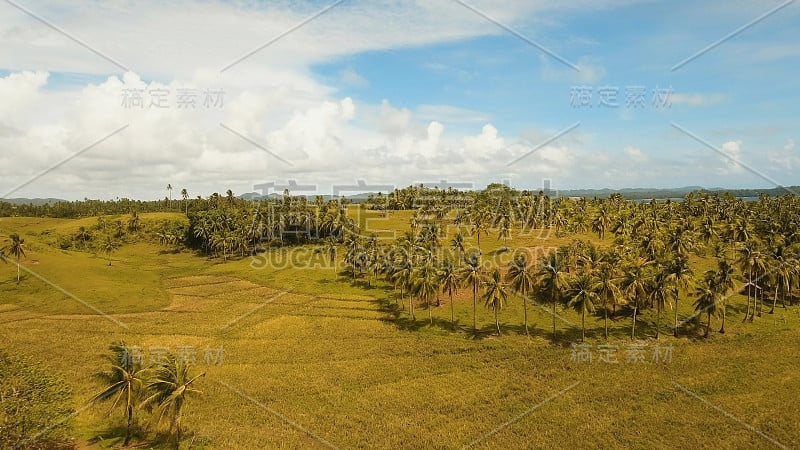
<point x="635" y="154"/>
<point x="731" y="160"/>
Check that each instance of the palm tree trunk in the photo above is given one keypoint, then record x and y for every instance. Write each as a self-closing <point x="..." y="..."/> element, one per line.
<point x="633" y="327"/>
<point x="474" y="307"/>
<point x="605" y="319"/>
<point x="17" y="270"/>
<point x="675" y="332"/>
<point x="583" y="326"/>
<point x="658" y="318"/>
<point x="724" y="313"/>
<point x="452" y="311"/>
<point x="128" y="429"/>
<point x="525" y="312"/>
<point x="430" y="312"/>
<point x="497" y="321"/>
<point x="774" y="301"/>
<point x="708" y="325"/>
<point x="749" y="288"/>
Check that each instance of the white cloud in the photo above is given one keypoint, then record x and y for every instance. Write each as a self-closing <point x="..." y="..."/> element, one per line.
<point x="353" y="78"/>
<point x="635" y="154"/>
<point x="731" y="163"/>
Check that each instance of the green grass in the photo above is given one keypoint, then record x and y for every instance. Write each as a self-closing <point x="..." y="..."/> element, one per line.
<point x="342" y="363"/>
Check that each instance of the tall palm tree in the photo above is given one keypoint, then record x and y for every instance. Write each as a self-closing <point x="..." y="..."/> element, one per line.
<point x="169" y="388"/>
<point x="723" y="281"/>
<point x="606" y="285"/>
<point x="581" y="297"/>
<point x="496" y="295"/>
<point x="426" y="286"/>
<point x="681" y="275"/>
<point x="553" y="281"/>
<point x="169" y="189"/>
<point x="16" y="248"/>
<point x="663" y="290"/>
<point x="521" y="280"/>
<point x="635" y="285"/>
<point x="448" y="280"/>
<point x="471" y="274"/>
<point x="707" y="300"/>
<point x="125" y="383"/>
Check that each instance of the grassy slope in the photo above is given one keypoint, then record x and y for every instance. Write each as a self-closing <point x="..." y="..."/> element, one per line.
<point x="331" y="357"/>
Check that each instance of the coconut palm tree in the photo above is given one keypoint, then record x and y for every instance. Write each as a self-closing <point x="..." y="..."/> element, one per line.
<point x="169" y="188"/>
<point x="552" y="282"/>
<point x="471" y="274"/>
<point x="108" y="246"/>
<point x="707" y="299"/>
<point x="169" y="388"/>
<point x="425" y="285"/>
<point x="723" y="282"/>
<point x="679" y="273"/>
<point x="635" y="285"/>
<point x="663" y="290"/>
<point x="125" y="383"/>
<point x="521" y="280"/>
<point x="581" y="296"/>
<point x="606" y="285"/>
<point x="449" y="281"/>
<point x="185" y="195"/>
<point x="457" y="245"/>
<point x="16" y="248"/>
<point x="495" y="296"/>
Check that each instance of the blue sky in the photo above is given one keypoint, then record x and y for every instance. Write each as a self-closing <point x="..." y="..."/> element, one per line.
<point x="401" y="92"/>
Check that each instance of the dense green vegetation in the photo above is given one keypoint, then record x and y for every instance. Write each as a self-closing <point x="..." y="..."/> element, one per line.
<point x="362" y="325"/>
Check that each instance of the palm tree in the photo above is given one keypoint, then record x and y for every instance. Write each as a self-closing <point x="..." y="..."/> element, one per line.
<point x="169" y="188"/>
<point x="457" y="244"/>
<point x="635" y="285"/>
<point x="707" y="300"/>
<point x="606" y="286"/>
<point x="16" y="248"/>
<point x="108" y="246"/>
<point x="581" y="297"/>
<point x="496" y="295"/>
<point x="470" y="274"/>
<point x="125" y="382"/>
<point x="681" y="274"/>
<point x="662" y="290"/>
<point x="426" y="286"/>
<point x="723" y="281"/>
<point x="521" y="281"/>
<point x="448" y="280"/>
<point x="169" y="387"/>
<point x="553" y="281"/>
<point x="185" y="195"/>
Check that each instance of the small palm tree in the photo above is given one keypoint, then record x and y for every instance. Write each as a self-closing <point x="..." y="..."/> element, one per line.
<point x="496" y="295"/>
<point x="15" y="248"/>
<point x="169" y="387"/>
<point x="185" y="196"/>
<point x="125" y="383"/>
<point x="108" y="246"/>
